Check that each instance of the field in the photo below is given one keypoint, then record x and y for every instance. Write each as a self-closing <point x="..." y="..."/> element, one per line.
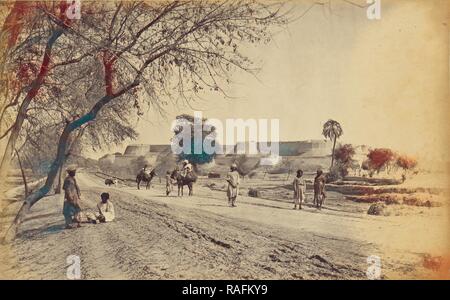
<point x="200" y="237"/>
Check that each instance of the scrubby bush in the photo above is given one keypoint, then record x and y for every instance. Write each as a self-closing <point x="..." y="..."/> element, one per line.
<point x="406" y="163"/>
<point x="253" y="174"/>
<point x="333" y="175"/>
<point x="254" y="193"/>
<point x="246" y="164"/>
<point x="376" y="209"/>
<point x="344" y="161"/>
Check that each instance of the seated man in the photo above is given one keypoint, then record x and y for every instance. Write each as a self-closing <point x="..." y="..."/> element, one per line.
<point x="105" y="211"/>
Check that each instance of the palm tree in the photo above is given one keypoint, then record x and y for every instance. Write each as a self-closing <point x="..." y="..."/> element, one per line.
<point x="332" y="130"/>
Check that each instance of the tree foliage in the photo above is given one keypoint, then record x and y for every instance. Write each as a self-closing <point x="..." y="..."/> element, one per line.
<point x="380" y="158"/>
<point x="406" y="163"/>
<point x="123" y="57"/>
<point x="186" y="122"/>
<point x="332" y="130"/>
<point x="344" y="158"/>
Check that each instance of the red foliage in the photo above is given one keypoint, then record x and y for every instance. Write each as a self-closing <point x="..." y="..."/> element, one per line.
<point x="15" y="20"/>
<point x="25" y="72"/>
<point x="379" y="158"/>
<point x="108" y="63"/>
<point x="28" y="71"/>
<point x="406" y="163"/>
<point x="439" y="264"/>
<point x="21" y="10"/>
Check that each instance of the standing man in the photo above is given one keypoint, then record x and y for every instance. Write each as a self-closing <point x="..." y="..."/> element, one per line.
<point x="233" y="185"/>
<point x="319" y="189"/>
<point x="299" y="189"/>
<point x="71" y="208"/>
<point x="168" y="183"/>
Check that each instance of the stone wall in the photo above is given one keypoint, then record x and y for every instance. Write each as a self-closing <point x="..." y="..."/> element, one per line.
<point x="293" y="148"/>
<point x="137" y="149"/>
<point x="159" y="148"/>
<point x="301" y="149"/>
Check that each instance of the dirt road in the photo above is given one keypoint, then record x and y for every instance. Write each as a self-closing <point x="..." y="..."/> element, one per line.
<point x="200" y="237"/>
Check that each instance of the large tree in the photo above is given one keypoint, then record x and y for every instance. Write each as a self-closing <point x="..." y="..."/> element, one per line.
<point x="28" y="56"/>
<point x="343" y="156"/>
<point x="72" y="78"/>
<point x="332" y="130"/>
<point x="380" y="158"/>
<point x="207" y="132"/>
<point x="154" y="51"/>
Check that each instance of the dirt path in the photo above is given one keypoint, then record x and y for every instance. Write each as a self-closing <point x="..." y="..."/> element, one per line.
<point x="201" y="238"/>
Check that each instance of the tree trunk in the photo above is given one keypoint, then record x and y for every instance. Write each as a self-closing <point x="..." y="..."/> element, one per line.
<point x="22" y="113"/>
<point x="24" y="178"/>
<point x="60" y="158"/>
<point x="59" y="186"/>
<point x="71" y="145"/>
<point x="332" y="153"/>
<point x="40" y="193"/>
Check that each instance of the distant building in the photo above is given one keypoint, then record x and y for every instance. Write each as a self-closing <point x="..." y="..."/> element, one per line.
<point x="308" y="148"/>
<point x="137" y="150"/>
<point x="160" y="148"/>
<point x="110" y="158"/>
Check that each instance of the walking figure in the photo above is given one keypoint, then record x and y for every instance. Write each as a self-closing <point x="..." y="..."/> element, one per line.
<point x="319" y="189"/>
<point x="169" y="183"/>
<point x="233" y="185"/>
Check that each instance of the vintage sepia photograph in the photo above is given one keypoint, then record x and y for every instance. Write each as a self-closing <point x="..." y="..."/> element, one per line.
<point x="224" y="140"/>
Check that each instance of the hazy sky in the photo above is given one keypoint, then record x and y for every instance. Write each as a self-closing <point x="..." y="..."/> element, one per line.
<point x="385" y="81"/>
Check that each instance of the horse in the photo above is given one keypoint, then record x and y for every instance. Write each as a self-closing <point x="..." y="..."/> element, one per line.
<point x="146" y="177"/>
<point x="188" y="180"/>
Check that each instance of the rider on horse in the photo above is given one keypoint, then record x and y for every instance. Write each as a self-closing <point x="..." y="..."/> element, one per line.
<point x="144" y="170"/>
<point x="187" y="168"/>
<point x="145" y="174"/>
<point x="184" y="177"/>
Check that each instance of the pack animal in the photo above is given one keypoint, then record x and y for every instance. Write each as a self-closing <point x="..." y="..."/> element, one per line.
<point x="188" y="180"/>
<point x="145" y="177"/>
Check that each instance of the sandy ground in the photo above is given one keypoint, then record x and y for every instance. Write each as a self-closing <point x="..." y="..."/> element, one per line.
<point x="200" y="237"/>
